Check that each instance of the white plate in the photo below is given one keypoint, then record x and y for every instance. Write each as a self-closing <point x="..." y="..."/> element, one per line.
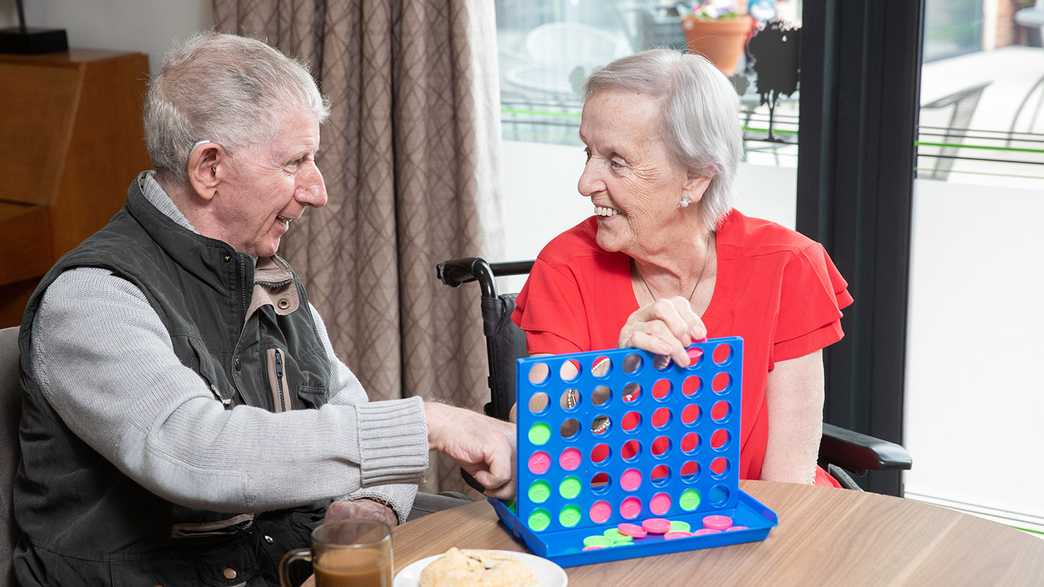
<point x="548" y="573"/>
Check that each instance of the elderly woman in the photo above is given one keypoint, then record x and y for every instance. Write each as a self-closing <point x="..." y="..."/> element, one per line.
<point x="666" y="261"/>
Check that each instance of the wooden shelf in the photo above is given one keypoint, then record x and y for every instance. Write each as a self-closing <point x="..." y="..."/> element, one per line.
<point x="72" y="137"/>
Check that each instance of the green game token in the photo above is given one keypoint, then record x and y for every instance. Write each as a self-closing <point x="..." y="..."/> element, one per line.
<point x="680" y="526"/>
<point x="569" y="516"/>
<point x="539" y="492"/>
<point x="690" y="500"/>
<point x="539" y="434"/>
<point x="597" y="540"/>
<point x="616" y="538"/>
<point x="569" y="488"/>
<point x="539" y="520"/>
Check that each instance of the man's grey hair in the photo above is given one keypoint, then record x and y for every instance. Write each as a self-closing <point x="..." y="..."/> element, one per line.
<point x="224" y="89"/>
<point x="700" y="115"/>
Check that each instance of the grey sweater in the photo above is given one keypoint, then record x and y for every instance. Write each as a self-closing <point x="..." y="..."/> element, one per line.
<point x="105" y="363"/>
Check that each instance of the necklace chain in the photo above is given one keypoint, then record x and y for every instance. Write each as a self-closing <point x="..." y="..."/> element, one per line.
<point x="699" y="277"/>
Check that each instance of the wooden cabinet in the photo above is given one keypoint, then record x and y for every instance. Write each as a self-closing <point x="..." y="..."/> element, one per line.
<point x="71" y="139"/>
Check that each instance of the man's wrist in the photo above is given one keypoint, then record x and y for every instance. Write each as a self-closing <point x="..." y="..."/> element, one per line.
<point x="434" y="421"/>
<point x="386" y="507"/>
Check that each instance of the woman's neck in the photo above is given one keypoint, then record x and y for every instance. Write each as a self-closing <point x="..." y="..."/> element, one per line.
<point x="681" y="270"/>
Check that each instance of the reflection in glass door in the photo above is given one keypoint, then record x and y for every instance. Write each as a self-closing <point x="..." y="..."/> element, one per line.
<point x="974" y="397"/>
<point x="547" y="48"/>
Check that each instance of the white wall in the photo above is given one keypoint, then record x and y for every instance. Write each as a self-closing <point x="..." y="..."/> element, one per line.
<point x="148" y="26"/>
<point x="538" y="183"/>
<point x="974" y="410"/>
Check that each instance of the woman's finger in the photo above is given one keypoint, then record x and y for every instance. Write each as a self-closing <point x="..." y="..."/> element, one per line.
<point x="648" y="342"/>
<point x="676" y="348"/>
<point x="673" y="313"/>
<point x="693" y="324"/>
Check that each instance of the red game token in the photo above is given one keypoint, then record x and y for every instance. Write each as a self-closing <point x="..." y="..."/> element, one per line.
<point x="593" y="547"/>
<point x="632" y="530"/>
<point x="736" y="528"/>
<point x="676" y="535"/>
<point x="716" y="522"/>
<point x="657" y="526"/>
<point x="705" y="531"/>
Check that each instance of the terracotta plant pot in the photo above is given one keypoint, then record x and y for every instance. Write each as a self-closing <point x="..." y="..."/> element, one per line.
<point x="721" y="41"/>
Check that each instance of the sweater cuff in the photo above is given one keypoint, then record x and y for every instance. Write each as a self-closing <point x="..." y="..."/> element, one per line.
<point x="398" y="497"/>
<point x="393" y="441"/>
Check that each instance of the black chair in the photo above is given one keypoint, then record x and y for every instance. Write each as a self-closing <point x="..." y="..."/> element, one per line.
<point x="842" y="452"/>
<point x="10" y="409"/>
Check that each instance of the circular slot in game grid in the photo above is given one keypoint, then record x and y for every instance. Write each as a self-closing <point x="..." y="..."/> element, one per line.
<point x="624" y="456"/>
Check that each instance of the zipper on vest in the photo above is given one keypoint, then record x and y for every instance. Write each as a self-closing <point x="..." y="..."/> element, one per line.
<point x="227" y="402"/>
<point x="277" y="380"/>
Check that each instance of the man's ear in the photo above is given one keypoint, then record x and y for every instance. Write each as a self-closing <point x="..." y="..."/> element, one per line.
<point x="696" y="186"/>
<point x="206" y="168"/>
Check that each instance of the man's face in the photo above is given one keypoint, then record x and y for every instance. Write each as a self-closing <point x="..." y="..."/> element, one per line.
<point x="268" y="186"/>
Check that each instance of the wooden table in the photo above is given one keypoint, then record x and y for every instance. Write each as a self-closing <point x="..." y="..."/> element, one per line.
<point x="825" y="536"/>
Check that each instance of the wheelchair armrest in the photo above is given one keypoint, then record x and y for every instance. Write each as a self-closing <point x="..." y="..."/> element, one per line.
<point x="457" y="272"/>
<point x="859" y="452"/>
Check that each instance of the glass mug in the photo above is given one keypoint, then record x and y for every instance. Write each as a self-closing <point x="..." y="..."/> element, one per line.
<point x="347" y="553"/>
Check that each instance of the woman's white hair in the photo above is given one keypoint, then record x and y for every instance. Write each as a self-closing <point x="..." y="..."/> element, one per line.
<point x="700" y="122"/>
<point x="224" y="89"/>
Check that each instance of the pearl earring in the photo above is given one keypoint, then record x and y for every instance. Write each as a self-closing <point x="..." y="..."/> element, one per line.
<point x="685" y="201"/>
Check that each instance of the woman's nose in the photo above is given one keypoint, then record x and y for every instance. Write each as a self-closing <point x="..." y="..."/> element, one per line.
<point x="589" y="183"/>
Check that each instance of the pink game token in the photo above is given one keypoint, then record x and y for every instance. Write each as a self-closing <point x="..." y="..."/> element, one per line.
<point x="630" y="508"/>
<point x="570" y="459"/>
<point x="539" y="463"/>
<point x="632" y="530"/>
<point x="716" y="522"/>
<point x="676" y="535"/>
<point x="593" y="547"/>
<point x="657" y="526"/>
<point x="736" y="528"/>
<point x="705" y="531"/>
<point x="694" y="356"/>
<point x="600" y="512"/>
<point x="660" y="504"/>
<point x="630" y="480"/>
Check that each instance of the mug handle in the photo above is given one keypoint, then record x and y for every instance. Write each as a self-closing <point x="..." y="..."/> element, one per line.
<point x="284" y="563"/>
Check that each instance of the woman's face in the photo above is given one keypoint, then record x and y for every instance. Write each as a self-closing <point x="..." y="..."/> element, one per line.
<point x="633" y="181"/>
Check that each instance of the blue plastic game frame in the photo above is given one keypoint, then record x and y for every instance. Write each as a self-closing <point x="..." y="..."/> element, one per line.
<point x="693" y="385"/>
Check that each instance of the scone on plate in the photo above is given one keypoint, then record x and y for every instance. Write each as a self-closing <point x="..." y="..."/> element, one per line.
<point x="481" y="568"/>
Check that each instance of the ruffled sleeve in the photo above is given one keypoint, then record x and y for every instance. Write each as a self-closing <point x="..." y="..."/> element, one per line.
<point x="812" y="295"/>
<point x="549" y="309"/>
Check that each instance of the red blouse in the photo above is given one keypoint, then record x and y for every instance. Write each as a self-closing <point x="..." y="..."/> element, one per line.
<point x="776" y="288"/>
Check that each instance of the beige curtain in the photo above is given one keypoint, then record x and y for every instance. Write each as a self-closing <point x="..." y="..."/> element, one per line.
<point x="409" y="156"/>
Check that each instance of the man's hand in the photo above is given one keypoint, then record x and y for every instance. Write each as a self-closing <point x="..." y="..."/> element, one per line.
<point x="664" y="327"/>
<point x="360" y="509"/>
<point x="484" y="447"/>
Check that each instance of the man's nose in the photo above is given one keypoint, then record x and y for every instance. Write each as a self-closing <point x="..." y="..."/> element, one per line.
<point x="312" y="189"/>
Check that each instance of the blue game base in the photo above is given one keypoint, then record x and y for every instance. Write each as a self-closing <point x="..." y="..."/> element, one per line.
<point x="565" y="547"/>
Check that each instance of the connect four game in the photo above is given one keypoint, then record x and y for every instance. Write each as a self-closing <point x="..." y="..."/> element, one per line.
<point x="622" y="455"/>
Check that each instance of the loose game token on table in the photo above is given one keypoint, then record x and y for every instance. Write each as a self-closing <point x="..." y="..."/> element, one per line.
<point x="621" y="455"/>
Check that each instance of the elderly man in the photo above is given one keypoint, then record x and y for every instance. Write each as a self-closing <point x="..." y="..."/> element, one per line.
<point x="185" y="419"/>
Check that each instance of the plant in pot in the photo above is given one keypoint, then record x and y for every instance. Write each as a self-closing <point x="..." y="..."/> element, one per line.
<point x="718" y="30"/>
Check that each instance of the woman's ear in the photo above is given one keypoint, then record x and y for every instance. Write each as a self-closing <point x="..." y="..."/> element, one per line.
<point x="206" y="166"/>
<point x="696" y="185"/>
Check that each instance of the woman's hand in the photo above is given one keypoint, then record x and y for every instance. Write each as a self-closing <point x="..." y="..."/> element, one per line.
<point x="664" y="327"/>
